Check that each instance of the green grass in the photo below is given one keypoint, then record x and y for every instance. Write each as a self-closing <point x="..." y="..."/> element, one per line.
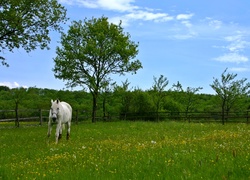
<point x="128" y="150"/>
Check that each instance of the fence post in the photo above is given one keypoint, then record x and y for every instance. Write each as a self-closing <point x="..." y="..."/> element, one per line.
<point x="17" y="118"/>
<point x="40" y="116"/>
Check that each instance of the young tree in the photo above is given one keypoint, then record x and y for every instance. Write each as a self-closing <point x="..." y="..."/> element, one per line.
<point x="229" y="91"/>
<point x="189" y="101"/>
<point x="141" y="105"/>
<point x="188" y="98"/>
<point x="158" y="91"/>
<point x="18" y="95"/>
<point x="26" y="24"/>
<point x="177" y="87"/>
<point x="93" y="50"/>
<point x="124" y="96"/>
<point x="106" y="94"/>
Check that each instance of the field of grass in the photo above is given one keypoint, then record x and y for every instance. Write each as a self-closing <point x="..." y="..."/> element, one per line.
<point x="128" y="150"/>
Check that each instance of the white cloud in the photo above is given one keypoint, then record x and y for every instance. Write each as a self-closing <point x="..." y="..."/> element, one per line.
<point x="117" y="19"/>
<point x="183" y="36"/>
<point x="184" y="16"/>
<point x="240" y="69"/>
<point x="235" y="48"/>
<point x="187" y="24"/>
<point x="140" y="16"/>
<point x="188" y="31"/>
<point x="145" y="15"/>
<point x="11" y="85"/>
<point x="121" y="5"/>
<point x="215" y="24"/>
<point x="132" y="12"/>
<point x="66" y="2"/>
<point x="115" y="5"/>
<point x="232" y="58"/>
<point x="237" y="44"/>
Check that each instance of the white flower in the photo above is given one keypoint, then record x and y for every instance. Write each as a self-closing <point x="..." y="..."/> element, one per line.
<point x="153" y="142"/>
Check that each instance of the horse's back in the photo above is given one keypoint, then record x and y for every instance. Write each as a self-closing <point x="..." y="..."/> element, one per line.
<point x="64" y="104"/>
<point x="68" y="109"/>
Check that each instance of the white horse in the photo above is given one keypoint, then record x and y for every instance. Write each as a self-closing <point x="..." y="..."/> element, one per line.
<point x="60" y="114"/>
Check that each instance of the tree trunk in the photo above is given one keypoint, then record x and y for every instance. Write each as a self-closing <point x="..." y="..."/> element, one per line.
<point x="223" y="112"/>
<point x="104" y="108"/>
<point x="94" y="108"/>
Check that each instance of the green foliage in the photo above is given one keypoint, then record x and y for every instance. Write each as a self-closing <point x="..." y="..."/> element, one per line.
<point x="93" y="50"/>
<point x="27" y="23"/>
<point x="189" y="100"/>
<point x="128" y="150"/>
<point x="124" y="97"/>
<point x="230" y="91"/>
<point x="121" y="102"/>
<point x="173" y="107"/>
<point x="157" y="91"/>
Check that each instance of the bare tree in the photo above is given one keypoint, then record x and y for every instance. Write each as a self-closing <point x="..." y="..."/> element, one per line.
<point x="158" y="92"/>
<point x="229" y="91"/>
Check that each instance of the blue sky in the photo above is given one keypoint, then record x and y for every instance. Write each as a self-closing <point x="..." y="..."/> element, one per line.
<point x="186" y="41"/>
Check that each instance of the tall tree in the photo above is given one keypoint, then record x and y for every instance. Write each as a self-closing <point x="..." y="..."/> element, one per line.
<point x="93" y="50"/>
<point x="27" y="23"/>
<point x="229" y="91"/>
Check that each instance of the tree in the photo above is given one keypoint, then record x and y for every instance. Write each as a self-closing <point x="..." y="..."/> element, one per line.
<point x="106" y="94"/>
<point x="190" y="99"/>
<point x="27" y="23"/>
<point x="187" y="97"/>
<point x="4" y="88"/>
<point x="177" y="87"/>
<point x="141" y="106"/>
<point x="158" y="91"/>
<point x="93" y="50"/>
<point x="18" y="94"/>
<point x="229" y="91"/>
<point x="124" y="94"/>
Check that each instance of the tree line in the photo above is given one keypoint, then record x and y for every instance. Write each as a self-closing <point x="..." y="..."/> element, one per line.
<point x="127" y="102"/>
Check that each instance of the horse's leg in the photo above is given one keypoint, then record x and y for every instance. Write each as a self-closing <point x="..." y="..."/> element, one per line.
<point x="58" y="127"/>
<point x="49" y="128"/>
<point x="68" y="131"/>
<point x="60" y="132"/>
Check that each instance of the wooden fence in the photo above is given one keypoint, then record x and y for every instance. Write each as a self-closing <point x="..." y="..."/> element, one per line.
<point x="41" y="116"/>
<point x="243" y="116"/>
<point x="35" y="115"/>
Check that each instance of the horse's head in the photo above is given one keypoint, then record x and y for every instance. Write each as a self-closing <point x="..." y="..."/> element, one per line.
<point x="55" y="109"/>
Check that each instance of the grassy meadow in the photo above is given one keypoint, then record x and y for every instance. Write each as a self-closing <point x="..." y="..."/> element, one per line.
<point x="127" y="150"/>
